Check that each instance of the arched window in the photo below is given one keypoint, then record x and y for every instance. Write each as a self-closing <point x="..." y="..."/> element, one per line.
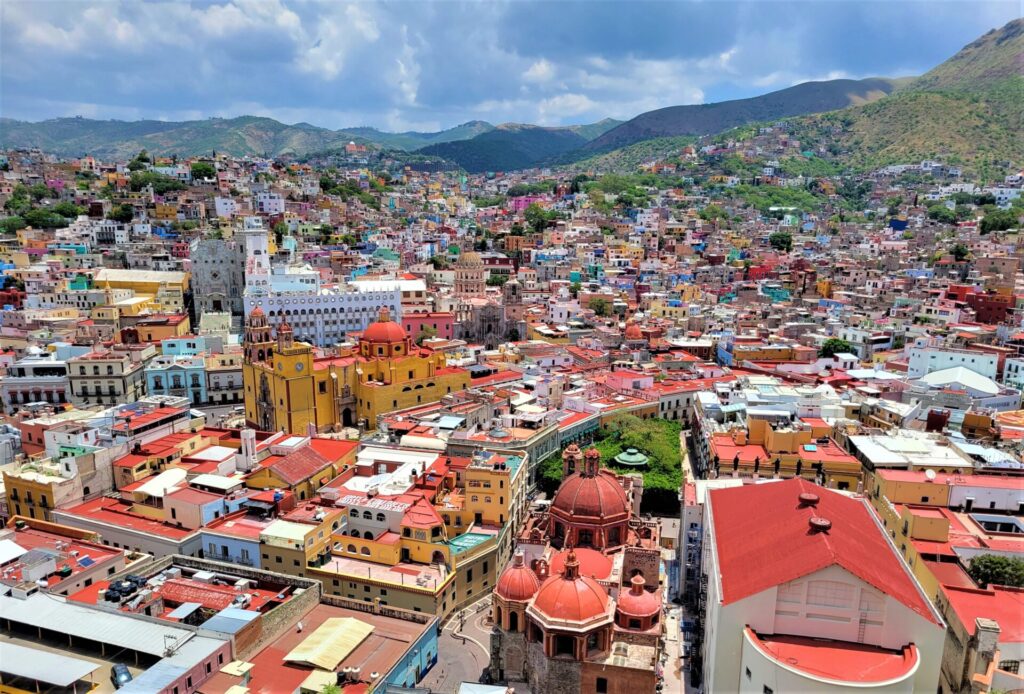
<point x="352" y="549"/>
<point x="497" y="614"/>
<point x="354" y="513"/>
<point x="367" y="515"/>
<point x="365" y="550"/>
<point x="380" y="518"/>
<point x="513" y="621"/>
<point x="565" y="645"/>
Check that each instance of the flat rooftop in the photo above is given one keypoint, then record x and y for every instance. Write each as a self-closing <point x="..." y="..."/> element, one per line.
<point x="423" y="576"/>
<point x="378" y="652"/>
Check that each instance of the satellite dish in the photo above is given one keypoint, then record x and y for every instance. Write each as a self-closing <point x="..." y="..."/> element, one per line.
<point x="930" y="474"/>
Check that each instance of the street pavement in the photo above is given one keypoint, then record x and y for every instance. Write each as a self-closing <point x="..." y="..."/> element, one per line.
<point x="463" y="649"/>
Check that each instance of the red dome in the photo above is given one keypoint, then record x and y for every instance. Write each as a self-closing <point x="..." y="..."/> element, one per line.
<point x="633" y="332"/>
<point x="638" y="602"/>
<point x="517" y="582"/>
<point x="384" y="332"/>
<point x="256" y="312"/>
<point x="578" y="599"/>
<point x="592" y="563"/>
<point x="593" y="496"/>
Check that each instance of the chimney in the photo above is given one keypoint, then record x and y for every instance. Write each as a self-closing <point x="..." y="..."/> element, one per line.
<point x="247" y="455"/>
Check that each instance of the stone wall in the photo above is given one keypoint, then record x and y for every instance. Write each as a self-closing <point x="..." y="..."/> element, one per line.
<point x="553" y="675"/>
<point x="647" y="561"/>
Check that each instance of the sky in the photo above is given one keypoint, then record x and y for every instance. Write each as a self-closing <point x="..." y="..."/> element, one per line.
<point x="428" y="65"/>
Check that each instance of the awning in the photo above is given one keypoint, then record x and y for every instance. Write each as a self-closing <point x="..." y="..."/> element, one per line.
<point x="331" y="643"/>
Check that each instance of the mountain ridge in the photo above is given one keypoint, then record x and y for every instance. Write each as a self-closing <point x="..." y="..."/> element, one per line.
<point x="708" y="119"/>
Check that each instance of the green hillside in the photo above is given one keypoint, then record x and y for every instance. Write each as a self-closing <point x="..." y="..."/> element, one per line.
<point x="969" y="111"/>
<point x="411" y="140"/>
<point x="242" y="136"/>
<point x="707" y="119"/>
<point x="508" y="147"/>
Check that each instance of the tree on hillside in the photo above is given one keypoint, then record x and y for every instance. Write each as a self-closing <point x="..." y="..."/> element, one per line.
<point x="122" y="213"/>
<point x="279" y="229"/>
<point x="994" y="569"/>
<point x="202" y="170"/>
<point x="834" y="346"/>
<point x="538" y="218"/>
<point x="781" y="241"/>
<point x="599" y="306"/>
<point x="959" y="251"/>
<point x="999" y="220"/>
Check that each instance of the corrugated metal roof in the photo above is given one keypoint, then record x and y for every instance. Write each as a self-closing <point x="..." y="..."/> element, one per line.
<point x="331" y="643"/>
<point x="43" y="666"/>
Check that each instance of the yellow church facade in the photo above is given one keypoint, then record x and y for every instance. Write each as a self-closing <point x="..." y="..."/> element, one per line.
<point x="287" y="388"/>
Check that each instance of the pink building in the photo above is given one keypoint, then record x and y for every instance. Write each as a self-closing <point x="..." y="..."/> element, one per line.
<point x="442" y="322"/>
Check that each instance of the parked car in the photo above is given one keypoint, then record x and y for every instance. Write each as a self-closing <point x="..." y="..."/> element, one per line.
<point x="119" y="675"/>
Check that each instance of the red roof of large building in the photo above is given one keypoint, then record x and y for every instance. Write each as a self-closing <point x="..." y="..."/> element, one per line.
<point x="765" y="538"/>
<point x="1003" y="604"/>
<point x="838" y="660"/>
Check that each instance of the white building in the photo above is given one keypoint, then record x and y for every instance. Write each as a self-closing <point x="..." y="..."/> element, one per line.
<point x="267" y="202"/>
<point x="804" y="592"/>
<point x="225" y="208"/>
<point x="925" y="360"/>
<point x="319" y="314"/>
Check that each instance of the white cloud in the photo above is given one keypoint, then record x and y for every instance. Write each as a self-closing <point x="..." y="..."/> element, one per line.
<point x="541" y="71"/>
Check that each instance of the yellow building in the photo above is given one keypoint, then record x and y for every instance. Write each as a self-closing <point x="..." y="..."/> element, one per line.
<point x="288" y="389"/>
<point x="143" y="282"/>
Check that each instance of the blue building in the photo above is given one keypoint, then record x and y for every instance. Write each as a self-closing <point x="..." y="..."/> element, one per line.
<point x="182" y="376"/>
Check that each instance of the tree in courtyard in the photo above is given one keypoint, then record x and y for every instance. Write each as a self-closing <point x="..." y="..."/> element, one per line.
<point x="834" y="346"/>
<point x="426" y="332"/>
<point x="994" y="569"/>
<point x="599" y="306"/>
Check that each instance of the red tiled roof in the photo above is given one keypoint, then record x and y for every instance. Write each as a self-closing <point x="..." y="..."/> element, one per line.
<point x="298" y="466"/>
<point x="333" y="449"/>
<point x="763" y="540"/>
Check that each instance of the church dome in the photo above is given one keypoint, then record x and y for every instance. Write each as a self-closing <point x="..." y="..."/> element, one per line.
<point x="570" y="597"/>
<point x="594" y="496"/>
<point x="384" y="330"/>
<point x="470" y="259"/>
<point x="517" y="582"/>
<point x="256" y="313"/>
<point x="634" y="333"/>
<point x="638" y="602"/>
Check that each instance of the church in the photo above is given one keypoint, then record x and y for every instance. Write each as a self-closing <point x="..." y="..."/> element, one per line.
<point x="289" y="388"/>
<point x="579" y="609"/>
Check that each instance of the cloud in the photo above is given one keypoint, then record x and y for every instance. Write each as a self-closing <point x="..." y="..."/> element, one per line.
<point x="409" y="65"/>
<point x="540" y="71"/>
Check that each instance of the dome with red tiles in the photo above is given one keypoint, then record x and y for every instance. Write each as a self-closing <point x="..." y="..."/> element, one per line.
<point x="592" y="563"/>
<point x="517" y="582"/>
<point x="634" y="333"/>
<point x="598" y="495"/>
<point x="256" y="313"/>
<point x="384" y="330"/>
<point x="569" y="597"/>
<point x="637" y="601"/>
